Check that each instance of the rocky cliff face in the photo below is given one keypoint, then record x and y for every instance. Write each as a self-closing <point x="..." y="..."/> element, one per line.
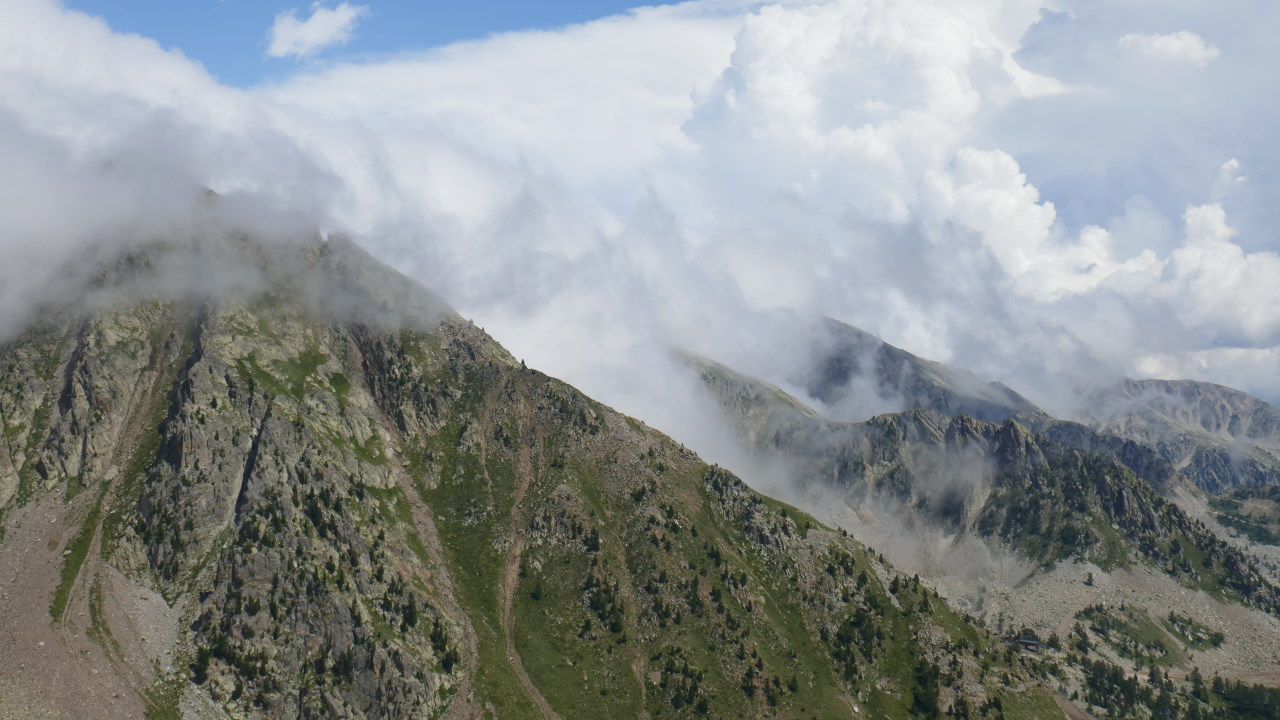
<point x="252" y="480"/>
<point x="1217" y="437"/>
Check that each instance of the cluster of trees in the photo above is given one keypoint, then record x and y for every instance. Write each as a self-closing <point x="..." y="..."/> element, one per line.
<point x="1123" y="694"/>
<point x="603" y="600"/>
<point x="440" y="643"/>
<point x="684" y="682"/>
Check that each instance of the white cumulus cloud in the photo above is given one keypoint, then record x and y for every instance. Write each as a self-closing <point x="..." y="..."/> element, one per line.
<point x="1182" y="46"/>
<point x="985" y="182"/>
<point x="326" y="27"/>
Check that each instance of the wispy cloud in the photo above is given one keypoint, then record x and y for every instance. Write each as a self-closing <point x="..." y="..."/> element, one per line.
<point x="1181" y="47"/>
<point x="325" y="28"/>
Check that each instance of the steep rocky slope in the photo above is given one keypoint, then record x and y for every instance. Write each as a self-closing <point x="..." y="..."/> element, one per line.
<point x="848" y="362"/>
<point x="852" y="371"/>
<point x="1219" y="438"/>
<point x="254" y="480"/>
<point x="1215" y="437"/>
<point x="959" y="479"/>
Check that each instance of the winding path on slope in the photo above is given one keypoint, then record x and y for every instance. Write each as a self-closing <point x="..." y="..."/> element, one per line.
<point x="511" y="569"/>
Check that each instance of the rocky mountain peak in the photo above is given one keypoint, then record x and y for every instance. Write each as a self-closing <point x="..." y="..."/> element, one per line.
<point x="243" y="478"/>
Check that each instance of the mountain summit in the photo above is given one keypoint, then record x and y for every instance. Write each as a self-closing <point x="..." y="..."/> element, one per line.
<point x="852" y="367"/>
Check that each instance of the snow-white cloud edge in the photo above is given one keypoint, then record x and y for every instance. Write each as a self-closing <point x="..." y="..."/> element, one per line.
<point x="325" y="27"/>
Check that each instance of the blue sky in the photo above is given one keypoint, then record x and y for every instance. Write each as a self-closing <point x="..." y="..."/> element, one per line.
<point x="230" y="37"/>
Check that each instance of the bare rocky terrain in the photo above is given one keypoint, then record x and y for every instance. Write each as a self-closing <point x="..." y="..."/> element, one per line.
<point x="1217" y="437"/>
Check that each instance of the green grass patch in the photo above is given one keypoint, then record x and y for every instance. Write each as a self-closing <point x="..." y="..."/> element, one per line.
<point x="298" y="372"/>
<point x="1033" y="705"/>
<point x="576" y="675"/>
<point x="1131" y="632"/>
<point x="392" y="505"/>
<point x="164" y="697"/>
<point x="341" y="386"/>
<point x="381" y="627"/>
<point x="467" y="529"/>
<point x="13" y="431"/>
<point x="394" y="509"/>
<point x="74" y="487"/>
<point x="253" y="374"/>
<point x="73" y="558"/>
<point x="371" y="451"/>
<point x="99" y="630"/>
<point x="1209" y="576"/>
<point x="1110" y="554"/>
<point x="1224" y="505"/>
<point x="419" y="549"/>
<point x="1258" y="531"/>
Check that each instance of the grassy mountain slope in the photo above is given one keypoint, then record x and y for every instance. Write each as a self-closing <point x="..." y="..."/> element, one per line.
<point x="247" y="480"/>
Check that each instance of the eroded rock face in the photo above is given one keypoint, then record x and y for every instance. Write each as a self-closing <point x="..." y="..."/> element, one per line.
<point x="266" y="468"/>
<point x="1219" y="438"/>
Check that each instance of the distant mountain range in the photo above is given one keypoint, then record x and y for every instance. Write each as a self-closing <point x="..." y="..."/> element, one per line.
<point x="1049" y="500"/>
<point x="1008" y="510"/>
<point x="1214" y="437"/>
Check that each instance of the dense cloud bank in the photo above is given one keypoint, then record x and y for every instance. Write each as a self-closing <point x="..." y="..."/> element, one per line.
<point x="1054" y="194"/>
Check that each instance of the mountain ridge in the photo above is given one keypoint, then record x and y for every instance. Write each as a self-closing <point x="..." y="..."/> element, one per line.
<point x="1166" y="431"/>
<point x="1219" y="437"/>
<point x="271" y="500"/>
<point x="843" y="353"/>
<point x="977" y="487"/>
